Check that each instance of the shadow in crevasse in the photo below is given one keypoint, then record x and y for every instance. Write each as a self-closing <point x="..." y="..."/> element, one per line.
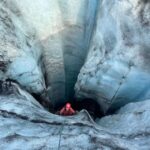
<point x="90" y="105"/>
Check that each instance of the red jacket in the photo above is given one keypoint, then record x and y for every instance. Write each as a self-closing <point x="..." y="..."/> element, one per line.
<point x="67" y="110"/>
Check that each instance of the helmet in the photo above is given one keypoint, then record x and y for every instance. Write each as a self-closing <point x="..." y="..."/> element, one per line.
<point x="68" y="105"/>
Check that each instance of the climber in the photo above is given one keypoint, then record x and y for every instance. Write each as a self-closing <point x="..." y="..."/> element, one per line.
<point x="67" y="110"/>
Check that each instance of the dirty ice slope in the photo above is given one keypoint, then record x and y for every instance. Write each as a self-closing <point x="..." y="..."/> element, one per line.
<point x="24" y="124"/>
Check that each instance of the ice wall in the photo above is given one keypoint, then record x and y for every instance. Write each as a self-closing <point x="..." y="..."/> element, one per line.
<point x="61" y="30"/>
<point x="117" y="70"/>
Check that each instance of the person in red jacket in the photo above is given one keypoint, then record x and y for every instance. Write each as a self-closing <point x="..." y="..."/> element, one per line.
<point x="67" y="110"/>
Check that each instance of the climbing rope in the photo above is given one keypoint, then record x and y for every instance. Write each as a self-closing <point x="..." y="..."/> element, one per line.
<point x="60" y="136"/>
